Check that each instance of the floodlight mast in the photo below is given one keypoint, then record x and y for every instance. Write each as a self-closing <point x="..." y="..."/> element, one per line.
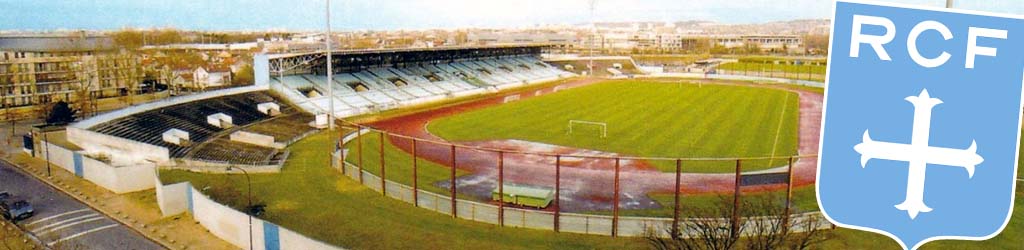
<point x="593" y="35"/>
<point x="330" y="72"/>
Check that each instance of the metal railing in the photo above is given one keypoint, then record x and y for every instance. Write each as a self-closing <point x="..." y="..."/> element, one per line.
<point x="460" y="204"/>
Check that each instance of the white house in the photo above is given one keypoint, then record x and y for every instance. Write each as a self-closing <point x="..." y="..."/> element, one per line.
<point x="212" y="77"/>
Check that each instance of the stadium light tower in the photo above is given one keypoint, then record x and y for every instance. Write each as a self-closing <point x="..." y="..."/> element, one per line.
<point x="330" y="72"/>
<point x="593" y="35"/>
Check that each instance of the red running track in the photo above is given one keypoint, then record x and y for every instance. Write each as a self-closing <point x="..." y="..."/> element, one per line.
<point x="587" y="184"/>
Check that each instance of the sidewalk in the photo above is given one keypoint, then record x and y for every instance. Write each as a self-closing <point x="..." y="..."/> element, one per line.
<point x="137" y="210"/>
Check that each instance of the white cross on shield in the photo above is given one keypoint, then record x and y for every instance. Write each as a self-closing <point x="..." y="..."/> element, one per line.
<point x="922" y="122"/>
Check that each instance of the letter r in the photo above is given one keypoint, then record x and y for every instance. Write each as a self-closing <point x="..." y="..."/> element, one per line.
<point x="856" y="38"/>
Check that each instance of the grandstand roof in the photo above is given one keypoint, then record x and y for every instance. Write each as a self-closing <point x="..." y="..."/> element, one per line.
<point x="381" y="51"/>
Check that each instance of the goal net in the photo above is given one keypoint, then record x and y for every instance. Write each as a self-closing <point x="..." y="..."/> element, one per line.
<point x="510" y="98"/>
<point x="603" y="126"/>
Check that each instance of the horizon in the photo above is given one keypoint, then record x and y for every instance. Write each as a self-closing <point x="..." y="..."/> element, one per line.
<point x="242" y="15"/>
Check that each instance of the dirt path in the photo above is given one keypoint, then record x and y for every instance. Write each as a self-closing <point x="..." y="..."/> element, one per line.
<point x="587" y="183"/>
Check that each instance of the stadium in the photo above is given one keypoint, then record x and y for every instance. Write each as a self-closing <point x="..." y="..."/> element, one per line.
<point x="496" y="135"/>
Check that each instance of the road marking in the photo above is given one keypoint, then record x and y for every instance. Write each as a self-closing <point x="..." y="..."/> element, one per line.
<point x="65" y="221"/>
<point x="55" y="216"/>
<point x="81" y="234"/>
<point x="51" y="230"/>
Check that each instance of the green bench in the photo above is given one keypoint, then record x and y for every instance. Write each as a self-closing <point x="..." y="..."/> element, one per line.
<point x="529" y="196"/>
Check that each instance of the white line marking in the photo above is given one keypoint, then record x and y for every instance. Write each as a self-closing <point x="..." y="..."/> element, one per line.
<point x="81" y="234"/>
<point x="56" y="229"/>
<point x="55" y="216"/>
<point x="66" y="221"/>
<point x="782" y="119"/>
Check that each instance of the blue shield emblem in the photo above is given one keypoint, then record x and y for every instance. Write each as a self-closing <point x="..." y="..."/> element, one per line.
<point x="922" y="122"/>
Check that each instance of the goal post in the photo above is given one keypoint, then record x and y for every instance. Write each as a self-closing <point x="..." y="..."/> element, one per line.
<point x="602" y="125"/>
<point x="510" y="98"/>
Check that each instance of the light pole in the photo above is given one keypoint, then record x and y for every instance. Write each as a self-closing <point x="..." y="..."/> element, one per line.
<point x="593" y="35"/>
<point x="248" y="207"/>
<point x="330" y="73"/>
<point x="47" y="146"/>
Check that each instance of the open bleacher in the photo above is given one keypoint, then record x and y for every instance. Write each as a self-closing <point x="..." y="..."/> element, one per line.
<point x="382" y="87"/>
<point x="604" y="66"/>
<point x="207" y="123"/>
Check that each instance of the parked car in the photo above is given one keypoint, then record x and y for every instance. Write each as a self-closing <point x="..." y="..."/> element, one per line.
<point x="16" y="210"/>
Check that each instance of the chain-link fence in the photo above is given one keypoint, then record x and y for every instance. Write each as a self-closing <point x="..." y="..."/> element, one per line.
<point x="807" y="71"/>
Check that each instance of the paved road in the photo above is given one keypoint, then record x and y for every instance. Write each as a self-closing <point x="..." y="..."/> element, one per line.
<point x="65" y="223"/>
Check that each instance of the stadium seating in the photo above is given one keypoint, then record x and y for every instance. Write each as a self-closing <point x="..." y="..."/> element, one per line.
<point x="384" y="87"/>
<point x="206" y="141"/>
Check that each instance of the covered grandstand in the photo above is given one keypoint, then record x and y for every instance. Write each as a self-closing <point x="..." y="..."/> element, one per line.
<point x="373" y="80"/>
<point x="251" y="126"/>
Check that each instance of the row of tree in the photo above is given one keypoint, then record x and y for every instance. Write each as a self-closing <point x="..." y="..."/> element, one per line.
<point x="135" y="38"/>
<point x="763" y="224"/>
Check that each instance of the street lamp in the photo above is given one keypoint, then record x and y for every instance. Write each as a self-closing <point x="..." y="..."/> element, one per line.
<point x="248" y="207"/>
<point x="47" y="147"/>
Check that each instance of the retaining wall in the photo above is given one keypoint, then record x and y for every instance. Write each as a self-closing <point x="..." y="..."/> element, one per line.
<point x="227" y="223"/>
<point x="735" y="77"/>
<point x="121" y="150"/>
<point x="118" y="179"/>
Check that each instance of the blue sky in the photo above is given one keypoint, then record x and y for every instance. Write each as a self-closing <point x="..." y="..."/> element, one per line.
<point x="409" y="14"/>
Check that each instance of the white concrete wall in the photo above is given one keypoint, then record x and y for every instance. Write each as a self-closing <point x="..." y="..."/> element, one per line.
<point x="172" y="199"/>
<point x="226" y="223"/>
<point x="118" y="179"/>
<point x="58" y="156"/>
<point x="292" y="240"/>
<point x="229" y="224"/>
<point x="121" y="151"/>
<point x="256" y="139"/>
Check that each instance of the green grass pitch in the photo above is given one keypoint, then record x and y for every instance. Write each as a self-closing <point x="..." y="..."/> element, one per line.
<point x="313" y="199"/>
<point x="646" y="118"/>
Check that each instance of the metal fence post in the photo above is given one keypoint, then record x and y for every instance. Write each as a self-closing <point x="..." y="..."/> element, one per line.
<point x="415" y="187"/>
<point x="558" y="185"/>
<point x="341" y="150"/>
<point x="615" y="206"/>
<point x="501" y="188"/>
<point x="359" y="140"/>
<point x="675" y="211"/>
<point x="383" y="177"/>
<point x="455" y="213"/>
<point x="789" y="195"/>
<point x="736" y="201"/>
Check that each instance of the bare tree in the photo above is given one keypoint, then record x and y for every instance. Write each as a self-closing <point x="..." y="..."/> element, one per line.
<point x="815" y="232"/>
<point x="707" y="228"/>
<point x="763" y="225"/>
<point x="768" y="229"/>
